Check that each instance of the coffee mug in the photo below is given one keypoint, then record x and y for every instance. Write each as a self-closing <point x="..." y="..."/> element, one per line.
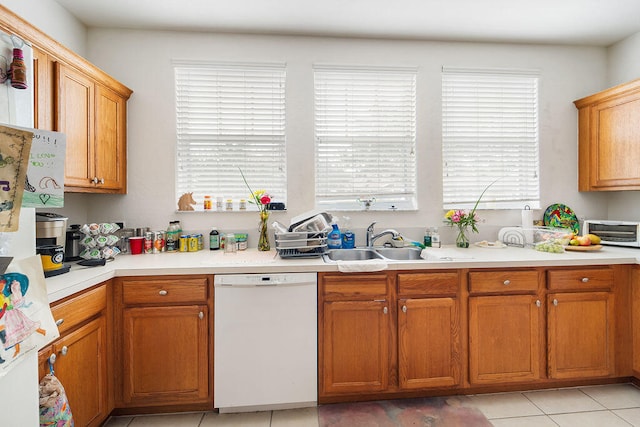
<point x="51" y="256"/>
<point x="135" y="244"/>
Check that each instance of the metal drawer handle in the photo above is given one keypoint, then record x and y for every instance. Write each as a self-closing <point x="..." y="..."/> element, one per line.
<point x="64" y="350"/>
<point x="163" y="292"/>
<point x="59" y="322"/>
<point x="507" y="282"/>
<point x="585" y="279"/>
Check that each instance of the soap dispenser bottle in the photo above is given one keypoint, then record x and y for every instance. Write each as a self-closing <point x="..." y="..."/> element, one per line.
<point x="348" y="238"/>
<point x="334" y="239"/>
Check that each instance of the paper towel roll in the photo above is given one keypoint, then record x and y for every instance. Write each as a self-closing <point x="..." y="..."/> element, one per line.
<point x="527" y="225"/>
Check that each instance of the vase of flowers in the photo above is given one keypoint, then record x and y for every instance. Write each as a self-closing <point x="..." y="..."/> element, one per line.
<point x="261" y="199"/>
<point x="464" y="220"/>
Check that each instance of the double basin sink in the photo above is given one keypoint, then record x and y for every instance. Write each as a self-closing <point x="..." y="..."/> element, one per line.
<point x="363" y="254"/>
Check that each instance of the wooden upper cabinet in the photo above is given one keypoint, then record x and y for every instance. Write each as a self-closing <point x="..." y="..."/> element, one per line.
<point x="609" y="139"/>
<point x="75" y="97"/>
<point x="93" y="117"/>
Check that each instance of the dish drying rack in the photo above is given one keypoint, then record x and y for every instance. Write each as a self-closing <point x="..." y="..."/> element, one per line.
<point x="301" y="244"/>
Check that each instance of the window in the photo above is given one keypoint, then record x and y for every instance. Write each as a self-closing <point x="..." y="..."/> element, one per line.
<point x="490" y="132"/>
<point x="365" y="121"/>
<point x="230" y="116"/>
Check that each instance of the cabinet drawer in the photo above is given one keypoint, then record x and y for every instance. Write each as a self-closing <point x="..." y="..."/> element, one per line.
<point x="165" y="291"/>
<point x="355" y="286"/>
<point x="428" y="283"/>
<point x="503" y="281"/>
<point x="582" y="279"/>
<point x="72" y="312"/>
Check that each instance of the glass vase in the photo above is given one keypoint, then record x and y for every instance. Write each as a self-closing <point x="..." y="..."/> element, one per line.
<point x="462" y="240"/>
<point x="263" y="232"/>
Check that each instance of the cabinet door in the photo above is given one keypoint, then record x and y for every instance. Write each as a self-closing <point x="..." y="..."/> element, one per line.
<point x="504" y="339"/>
<point x="43" y="90"/>
<point x="81" y="367"/>
<point x="110" y="136"/>
<point x="75" y="109"/>
<point x="166" y="355"/>
<point x="356" y="347"/>
<point x="429" y="343"/>
<point x="580" y="334"/>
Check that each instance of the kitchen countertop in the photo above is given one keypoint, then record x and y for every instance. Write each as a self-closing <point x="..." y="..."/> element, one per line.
<point x="253" y="261"/>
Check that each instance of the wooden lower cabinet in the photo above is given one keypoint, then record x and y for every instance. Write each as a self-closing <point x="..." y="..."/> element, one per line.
<point x="165" y="341"/>
<point x="356" y="346"/>
<point x="504" y="339"/>
<point x="580" y="335"/>
<point x="82" y="355"/>
<point x="429" y="353"/>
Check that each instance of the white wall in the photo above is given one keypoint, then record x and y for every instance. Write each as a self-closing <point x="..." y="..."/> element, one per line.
<point x="53" y="20"/>
<point x="624" y="66"/>
<point x="142" y="61"/>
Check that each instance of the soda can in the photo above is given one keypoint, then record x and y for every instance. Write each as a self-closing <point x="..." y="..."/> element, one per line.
<point x="148" y="242"/>
<point x="193" y="243"/>
<point x="158" y="242"/>
<point x="184" y="243"/>
<point x="200" y="241"/>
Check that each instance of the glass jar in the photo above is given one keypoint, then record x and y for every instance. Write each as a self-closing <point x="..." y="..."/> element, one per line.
<point x="230" y="245"/>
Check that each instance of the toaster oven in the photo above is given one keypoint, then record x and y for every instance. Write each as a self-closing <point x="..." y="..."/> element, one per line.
<point x="618" y="233"/>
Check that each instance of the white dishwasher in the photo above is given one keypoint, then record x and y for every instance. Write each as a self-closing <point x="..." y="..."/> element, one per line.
<point x="265" y="352"/>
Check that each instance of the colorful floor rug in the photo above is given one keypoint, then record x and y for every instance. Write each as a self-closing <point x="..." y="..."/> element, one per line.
<point x="420" y="412"/>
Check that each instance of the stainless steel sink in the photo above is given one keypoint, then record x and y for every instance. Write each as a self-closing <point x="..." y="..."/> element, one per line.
<point x="400" y="254"/>
<point x="359" y="254"/>
<point x="363" y="254"/>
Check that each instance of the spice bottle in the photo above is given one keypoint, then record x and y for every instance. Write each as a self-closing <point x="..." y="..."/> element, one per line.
<point x="18" y="70"/>
<point x="208" y="203"/>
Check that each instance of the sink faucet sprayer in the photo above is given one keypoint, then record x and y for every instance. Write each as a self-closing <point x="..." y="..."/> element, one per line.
<point x="397" y="240"/>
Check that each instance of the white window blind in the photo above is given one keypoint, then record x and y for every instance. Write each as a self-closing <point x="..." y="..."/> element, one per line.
<point x="490" y="132"/>
<point x="230" y="116"/>
<point x="365" y="120"/>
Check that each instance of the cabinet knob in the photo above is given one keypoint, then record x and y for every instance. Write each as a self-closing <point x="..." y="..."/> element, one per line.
<point x="64" y="350"/>
<point x="585" y="279"/>
<point x="163" y="292"/>
<point x="101" y="180"/>
<point x="59" y="322"/>
<point x="201" y="315"/>
<point x="507" y="282"/>
<point x="404" y="308"/>
<point x="52" y="358"/>
<point x="385" y="310"/>
<point x="94" y="180"/>
<point x="538" y="303"/>
<point x="555" y="302"/>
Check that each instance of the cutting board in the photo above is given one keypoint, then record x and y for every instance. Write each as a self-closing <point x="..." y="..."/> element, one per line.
<point x="583" y="248"/>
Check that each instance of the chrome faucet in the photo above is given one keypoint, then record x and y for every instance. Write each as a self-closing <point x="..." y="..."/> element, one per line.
<point x="371" y="237"/>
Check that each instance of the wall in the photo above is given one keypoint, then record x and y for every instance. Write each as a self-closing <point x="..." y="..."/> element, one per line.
<point x="624" y="66"/>
<point x="142" y="61"/>
<point x="53" y="20"/>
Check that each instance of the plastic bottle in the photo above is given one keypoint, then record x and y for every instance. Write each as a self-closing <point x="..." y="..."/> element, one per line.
<point x="172" y="236"/>
<point x="348" y="238"/>
<point x="435" y="237"/>
<point x="208" y="203"/>
<point x="334" y="239"/>
<point x="214" y="240"/>
<point x="427" y="237"/>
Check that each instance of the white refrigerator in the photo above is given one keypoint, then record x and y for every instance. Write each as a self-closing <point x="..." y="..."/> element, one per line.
<point x="19" y="388"/>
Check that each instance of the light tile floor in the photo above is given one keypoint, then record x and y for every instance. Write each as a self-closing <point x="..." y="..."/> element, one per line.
<point x="609" y="405"/>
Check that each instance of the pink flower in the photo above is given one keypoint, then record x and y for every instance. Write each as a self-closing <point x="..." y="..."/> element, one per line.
<point x="265" y="200"/>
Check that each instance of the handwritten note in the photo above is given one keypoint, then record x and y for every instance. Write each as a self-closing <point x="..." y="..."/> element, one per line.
<point x="44" y="186"/>
<point x="15" y="145"/>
